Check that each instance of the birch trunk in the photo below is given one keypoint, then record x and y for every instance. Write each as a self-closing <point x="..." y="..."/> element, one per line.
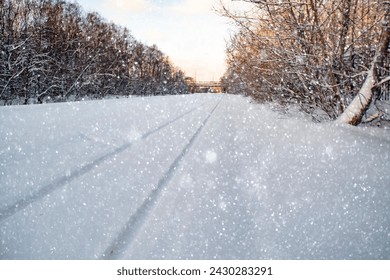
<point x="354" y="112"/>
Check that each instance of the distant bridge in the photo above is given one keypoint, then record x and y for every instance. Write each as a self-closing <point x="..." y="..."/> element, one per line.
<point x="205" y="86"/>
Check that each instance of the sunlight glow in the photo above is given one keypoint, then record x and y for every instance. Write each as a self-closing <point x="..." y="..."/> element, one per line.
<point x="190" y="32"/>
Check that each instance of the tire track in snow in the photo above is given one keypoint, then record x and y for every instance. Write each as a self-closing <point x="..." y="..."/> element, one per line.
<point x="131" y="228"/>
<point x="146" y="135"/>
<point x="12" y="209"/>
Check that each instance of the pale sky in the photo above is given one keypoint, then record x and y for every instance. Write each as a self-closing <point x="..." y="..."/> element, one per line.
<point x="188" y="31"/>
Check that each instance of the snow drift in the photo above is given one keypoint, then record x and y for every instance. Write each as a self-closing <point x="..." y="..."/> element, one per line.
<point x="189" y="177"/>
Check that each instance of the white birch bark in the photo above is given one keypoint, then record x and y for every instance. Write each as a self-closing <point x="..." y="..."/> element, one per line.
<point x="354" y="112"/>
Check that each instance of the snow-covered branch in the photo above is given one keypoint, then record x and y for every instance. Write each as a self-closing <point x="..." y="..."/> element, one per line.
<point x="385" y="80"/>
<point x="52" y="49"/>
<point x="314" y="53"/>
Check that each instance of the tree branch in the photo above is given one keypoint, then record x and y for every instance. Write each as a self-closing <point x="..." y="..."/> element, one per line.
<point x="385" y="80"/>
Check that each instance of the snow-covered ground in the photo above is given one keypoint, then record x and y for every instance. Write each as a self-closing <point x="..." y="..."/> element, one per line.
<point x="189" y="177"/>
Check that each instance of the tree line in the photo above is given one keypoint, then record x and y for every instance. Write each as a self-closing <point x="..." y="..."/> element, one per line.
<point x="323" y="55"/>
<point x="52" y="51"/>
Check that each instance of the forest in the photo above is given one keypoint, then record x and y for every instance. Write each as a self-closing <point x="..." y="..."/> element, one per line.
<point x="52" y="51"/>
<point x="329" y="57"/>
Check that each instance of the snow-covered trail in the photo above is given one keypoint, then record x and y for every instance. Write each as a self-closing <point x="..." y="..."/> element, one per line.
<point x="189" y="177"/>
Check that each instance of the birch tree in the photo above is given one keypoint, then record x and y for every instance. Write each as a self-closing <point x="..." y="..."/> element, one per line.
<point x="354" y="112"/>
<point x="313" y="53"/>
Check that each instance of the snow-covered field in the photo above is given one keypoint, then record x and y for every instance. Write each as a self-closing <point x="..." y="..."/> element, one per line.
<point x="189" y="177"/>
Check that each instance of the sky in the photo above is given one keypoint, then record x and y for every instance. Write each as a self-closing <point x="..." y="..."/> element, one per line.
<point x="190" y="32"/>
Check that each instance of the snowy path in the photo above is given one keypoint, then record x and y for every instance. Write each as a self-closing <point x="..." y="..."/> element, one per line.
<point x="189" y="177"/>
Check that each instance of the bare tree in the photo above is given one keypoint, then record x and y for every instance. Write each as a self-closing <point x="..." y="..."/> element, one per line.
<point x="314" y="53"/>
<point x="52" y="51"/>
<point x="354" y="112"/>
